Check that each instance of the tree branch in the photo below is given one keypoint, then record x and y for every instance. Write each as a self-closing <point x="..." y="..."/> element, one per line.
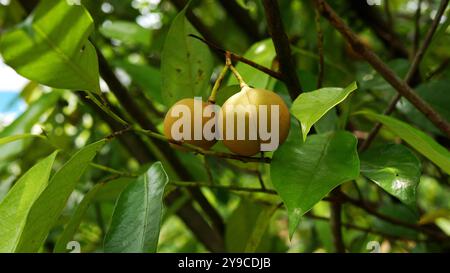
<point x="236" y="57"/>
<point x="413" y="70"/>
<point x="402" y="87"/>
<point x="382" y="29"/>
<point x="336" y="222"/>
<point x="282" y="47"/>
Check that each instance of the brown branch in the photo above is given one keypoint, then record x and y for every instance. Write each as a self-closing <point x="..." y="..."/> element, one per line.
<point x="362" y="229"/>
<point x="242" y="19"/>
<point x="372" y="17"/>
<point x="438" y="70"/>
<point x="336" y="222"/>
<point x="282" y="47"/>
<point x="320" y="51"/>
<point x="369" y="209"/>
<point x="222" y="187"/>
<point x="236" y="57"/>
<point x="413" y="70"/>
<point x="417" y="17"/>
<point x="401" y="86"/>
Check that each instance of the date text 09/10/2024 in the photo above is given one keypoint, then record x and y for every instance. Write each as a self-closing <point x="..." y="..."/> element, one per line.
<point x="255" y="263"/>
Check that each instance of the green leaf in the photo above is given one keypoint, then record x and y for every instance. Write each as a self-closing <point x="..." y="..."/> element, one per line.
<point x="420" y="141"/>
<point x="136" y="221"/>
<point x="127" y="32"/>
<point x="75" y="220"/>
<point x="241" y="227"/>
<point x="186" y="63"/>
<point x="261" y="225"/>
<point x="395" y="169"/>
<point x="304" y="173"/>
<point x="52" y="47"/>
<point x="262" y="53"/>
<point x="15" y="207"/>
<point x="310" y="107"/>
<point x="6" y="140"/>
<point x="51" y="202"/>
<point x="25" y="122"/>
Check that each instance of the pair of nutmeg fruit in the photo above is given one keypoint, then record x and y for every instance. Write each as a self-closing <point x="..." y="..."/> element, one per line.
<point x="249" y="142"/>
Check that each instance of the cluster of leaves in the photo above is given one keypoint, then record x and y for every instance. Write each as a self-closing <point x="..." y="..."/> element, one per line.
<point x="116" y="203"/>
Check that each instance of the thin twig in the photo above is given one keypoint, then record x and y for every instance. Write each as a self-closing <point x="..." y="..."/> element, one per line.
<point x="201" y="151"/>
<point x="438" y="70"/>
<point x="410" y="75"/>
<point x="417" y="18"/>
<point x="223" y="187"/>
<point x="374" y="212"/>
<point x="320" y="51"/>
<point x="238" y="58"/>
<point x="282" y="47"/>
<point x="363" y="229"/>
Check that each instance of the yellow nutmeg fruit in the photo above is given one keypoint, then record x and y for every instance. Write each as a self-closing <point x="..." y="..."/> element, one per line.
<point x="180" y="125"/>
<point x="266" y="126"/>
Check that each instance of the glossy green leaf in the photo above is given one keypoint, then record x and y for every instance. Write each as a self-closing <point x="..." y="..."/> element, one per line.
<point x="75" y="221"/>
<point x="395" y="169"/>
<point x="136" y="221"/>
<point x="262" y="53"/>
<point x="127" y="32"/>
<point x="15" y="207"/>
<point x="52" y="47"/>
<point x="303" y="173"/>
<point x="420" y="141"/>
<point x="51" y="202"/>
<point x="186" y="63"/>
<point x="310" y="107"/>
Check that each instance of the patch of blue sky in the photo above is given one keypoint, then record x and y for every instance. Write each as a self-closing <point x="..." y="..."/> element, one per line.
<point x="11" y="105"/>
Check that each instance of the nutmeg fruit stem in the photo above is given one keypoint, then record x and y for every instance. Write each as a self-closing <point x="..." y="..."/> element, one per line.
<point x="217" y="84"/>
<point x="238" y="76"/>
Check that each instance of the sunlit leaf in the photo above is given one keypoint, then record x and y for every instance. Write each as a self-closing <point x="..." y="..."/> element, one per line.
<point x="47" y="208"/>
<point x="16" y="206"/>
<point x="52" y="47"/>
<point x="310" y="107"/>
